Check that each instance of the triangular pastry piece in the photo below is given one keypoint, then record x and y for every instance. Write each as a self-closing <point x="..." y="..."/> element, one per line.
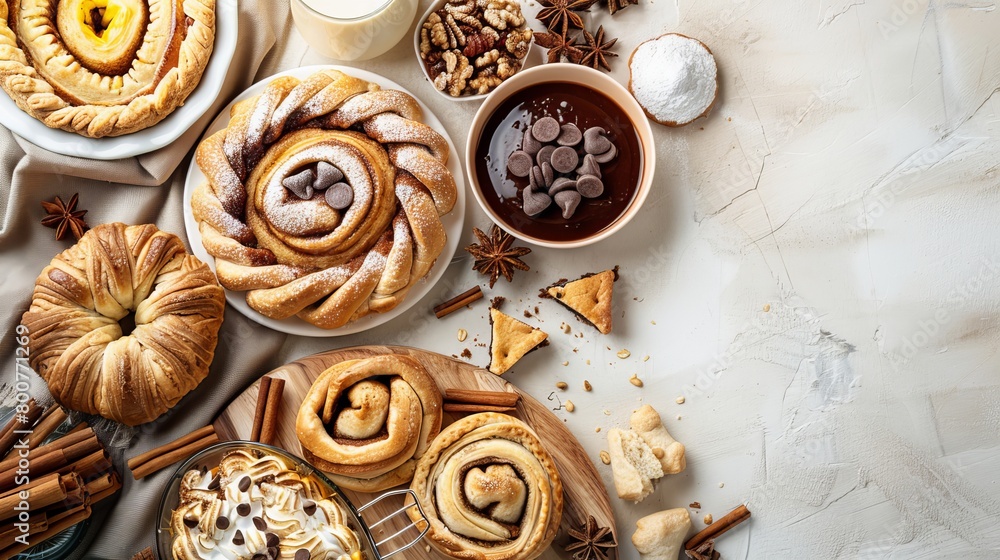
<point x="512" y="339"/>
<point x="589" y="297"/>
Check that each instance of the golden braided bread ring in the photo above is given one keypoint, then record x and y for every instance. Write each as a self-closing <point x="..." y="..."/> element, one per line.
<point x="293" y="252"/>
<point x="382" y="413"/>
<point x="103" y="67"/>
<point x="489" y="489"/>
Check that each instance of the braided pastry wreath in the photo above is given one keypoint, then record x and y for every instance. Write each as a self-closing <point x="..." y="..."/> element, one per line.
<point x="324" y="198"/>
<point x="103" y="67"/>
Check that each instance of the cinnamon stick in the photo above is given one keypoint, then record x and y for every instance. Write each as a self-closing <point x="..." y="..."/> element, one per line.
<point x="461" y="300"/>
<point x="169" y="457"/>
<point x="78" y="427"/>
<point x="95" y="465"/>
<point x="200" y="433"/>
<point x="55" y="526"/>
<point x="66" y="442"/>
<point x="116" y="485"/>
<point x="45" y="491"/>
<point x="719" y="528"/>
<point x="19" y="422"/>
<point x="37" y="522"/>
<point x="469" y="407"/>
<point x="270" y="427"/>
<point x="53" y="417"/>
<point x="258" y="416"/>
<point x="36" y="466"/>
<point x="492" y="398"/>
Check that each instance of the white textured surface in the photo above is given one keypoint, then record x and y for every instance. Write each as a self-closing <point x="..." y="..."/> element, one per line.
<point x="846" y="178"/>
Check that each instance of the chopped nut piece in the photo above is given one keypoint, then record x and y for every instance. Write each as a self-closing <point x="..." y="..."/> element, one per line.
<point x="623" y="353"/>
<point x="708" y="519"/>
<point x="605" y="457"/>
<point x="767" y="308"/>
<point x="645" y="358"/>
<point x="721" y="484"/>
<point x="597" y="430"/>
<point x="565" y="363"/>
<point x="635" y="380"/>
<point x="587" y="386"/>
<point x="679" y="400"/>
<point x="695" y="505"/>
<point x="569" y="406"/>
<point x="562" y="385"/>
<point x="462" y="335"/>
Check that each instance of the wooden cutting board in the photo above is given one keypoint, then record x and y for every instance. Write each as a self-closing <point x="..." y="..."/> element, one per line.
<point x="584" y="492"/>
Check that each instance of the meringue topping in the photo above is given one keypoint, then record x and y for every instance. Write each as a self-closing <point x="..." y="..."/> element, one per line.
<point x="257" y="506"/>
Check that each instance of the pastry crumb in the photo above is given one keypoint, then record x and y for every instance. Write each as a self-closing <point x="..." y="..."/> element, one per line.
<point x="708" y="519"/>
<point x="462" y="335"/>
<point x="624" y="353"/>
<point x="679" y="400"/>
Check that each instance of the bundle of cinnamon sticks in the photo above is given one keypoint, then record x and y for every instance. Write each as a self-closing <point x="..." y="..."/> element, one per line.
<point x="45" y="489"/>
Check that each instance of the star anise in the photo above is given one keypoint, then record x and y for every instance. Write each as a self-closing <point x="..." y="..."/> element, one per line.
<point x="560" y="15"/>
<point x="495" y="256"/>
<point x="591" y="542"/>
<point x="559" y="45"/>
<point x="597" y="51"/>
<point x="704" y="551"/>
<point x="615" y="5"/>
<point x="65" y="217"/>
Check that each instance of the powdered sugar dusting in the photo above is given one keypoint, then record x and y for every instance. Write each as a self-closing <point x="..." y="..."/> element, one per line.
<point x="674" y="78"/>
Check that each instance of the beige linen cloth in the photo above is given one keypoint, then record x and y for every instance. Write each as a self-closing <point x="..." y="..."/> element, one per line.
<point x="148" y="189"/>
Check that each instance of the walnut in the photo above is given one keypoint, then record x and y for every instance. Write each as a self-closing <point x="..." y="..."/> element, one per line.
<point x="507" y="67"/>
<point x="425" y="42"/>
<point x="467" y="7"/>
<point x="478" y="43"/>
<point x="500" y="14"/>
<point x="456" y="75"/>
<point x="518" y="42"/>
<point x="488" y="58"/>
<point x="464" y="13"/>
<point x="483" y="84"/>
<point x="457" y="38"/>
<point x="438" y="32"/>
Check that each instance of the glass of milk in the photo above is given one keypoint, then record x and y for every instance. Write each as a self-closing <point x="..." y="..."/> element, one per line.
<point x="353" y="29"/>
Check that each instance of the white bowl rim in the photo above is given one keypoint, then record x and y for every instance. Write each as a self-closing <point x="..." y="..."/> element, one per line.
<point x="643" y="129"/>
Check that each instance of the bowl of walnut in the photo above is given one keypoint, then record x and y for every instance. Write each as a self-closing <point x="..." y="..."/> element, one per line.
<point x="467" y="48"/>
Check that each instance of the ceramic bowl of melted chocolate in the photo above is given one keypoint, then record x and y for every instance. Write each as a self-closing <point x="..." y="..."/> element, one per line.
<point x="561" y="156"/>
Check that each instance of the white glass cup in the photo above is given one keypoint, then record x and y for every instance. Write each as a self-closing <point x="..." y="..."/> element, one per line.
<point x="353" y="29"/>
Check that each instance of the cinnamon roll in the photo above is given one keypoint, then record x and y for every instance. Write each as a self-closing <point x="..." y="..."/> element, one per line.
<point x="366" y="422"/>
<point x="489" y="489"/>
<point x="256" y="505"/>
<point x="324" y="198"/>
<point x="103" y="67"/>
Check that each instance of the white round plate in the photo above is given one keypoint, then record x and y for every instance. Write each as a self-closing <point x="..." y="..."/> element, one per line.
<point x="149" y="139"/>
<point x="293" y="325"/>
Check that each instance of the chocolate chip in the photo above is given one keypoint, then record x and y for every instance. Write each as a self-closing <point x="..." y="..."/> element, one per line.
<point x="545" y="154"/>
<point x="302" y="554"/>
<point x="568" y="201"/>
<point x="595" y="142"/>
<point x="519" y="163"/>
<point x="238" y="539"/>
<point x="259" y="556"/>
<point x="547" y="174"/>
<point x="569" y="135"/>
<point x="300" y="184"/>
<point x="545" y="129"/>
<point x="309" y="507"/>
<point x="271" y="539"/>
<point x="340" y="196"/>
<point x="561" y="184"/>
<point x="272" y="552"/>
<point x="214" y="484"/>
<point x="589" y="167"/>
<point x="607" y="156"/>
<point x="259" y="523"/>
<point x="534" y="203"/>
<point x="537" y="177"/>
<point x="244" y="484"/>
<point x="589" y="186"/>
<point x="326" y="175"/>
<point x="529" y="144"/>
<point x="222" y="522"/>
<point x="243" y="510"/>
<point x="564" y="159"/>
<point x="190" y="523"/>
